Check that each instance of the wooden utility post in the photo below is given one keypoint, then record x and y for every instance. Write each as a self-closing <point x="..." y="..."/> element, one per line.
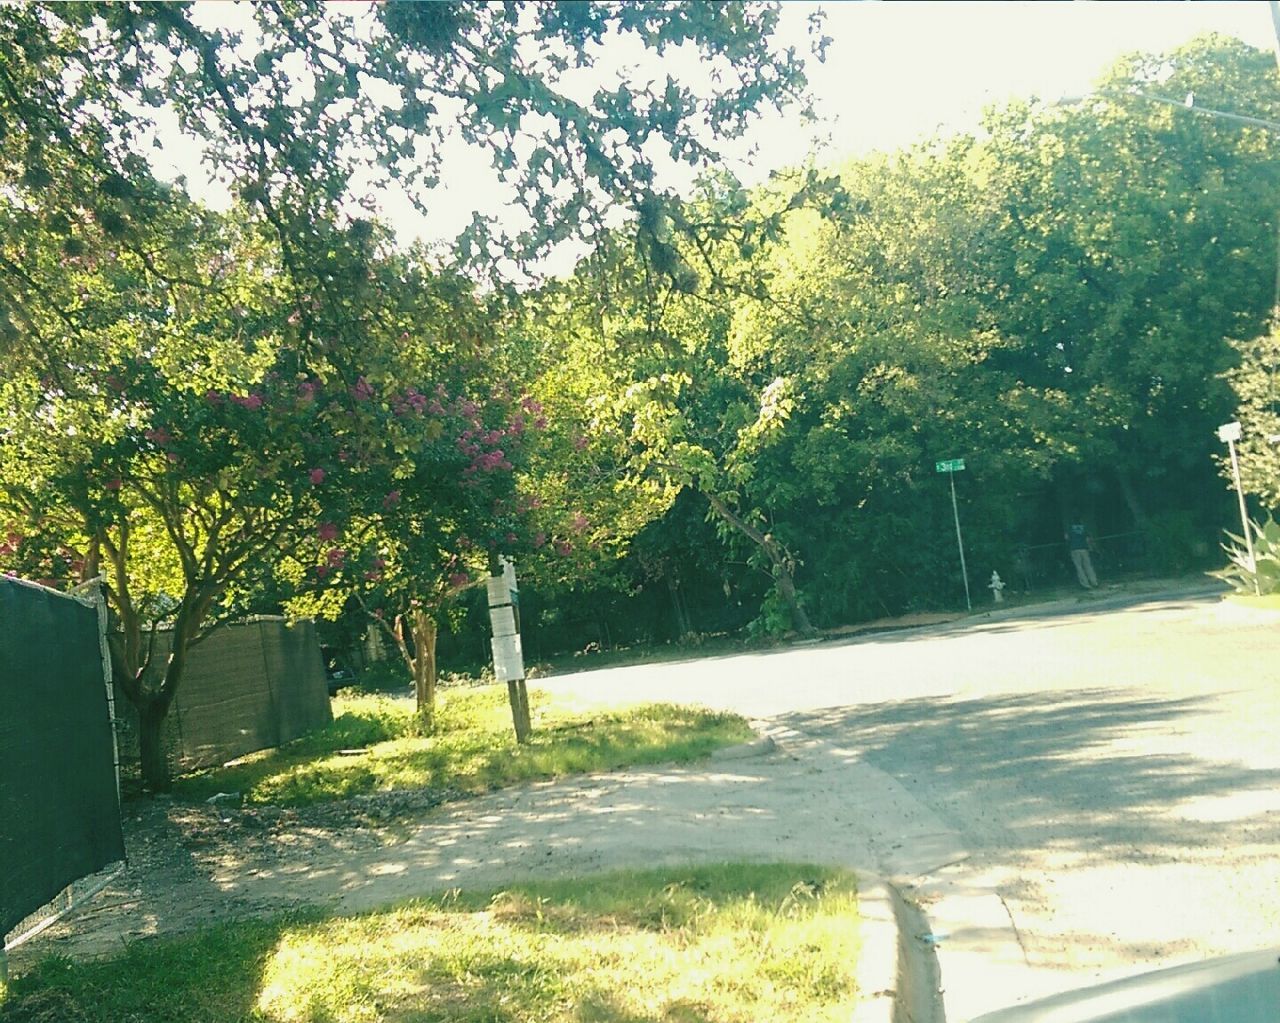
<point x="508" y="657"/>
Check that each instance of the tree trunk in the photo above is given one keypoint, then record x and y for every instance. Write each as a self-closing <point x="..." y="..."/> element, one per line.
<point x="783" y="580"/>
<point x="424" y="665"/>
<point x="1131" y="500"/>
<point x="155" y="762"/>
<point x="682" y="619"/>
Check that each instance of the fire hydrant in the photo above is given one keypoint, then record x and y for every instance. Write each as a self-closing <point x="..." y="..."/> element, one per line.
<point x="995" y="586"/>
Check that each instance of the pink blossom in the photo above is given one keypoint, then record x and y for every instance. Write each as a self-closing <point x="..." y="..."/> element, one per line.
<point x="434" y="407"/>
<point x="306" y="390"/>
<point x="295" y="318"/>
<point x="468" y="408"/>
<point x="391" y="500"/>
<point x="580" y="522"/>
<point x="379" y="562"/>
<point x="511" y="538"/>
<point x="579" y="442"/>
<point x="377" y="612"/>
<point x="322" y="570"/>
<point x="213" y="397"/>
<point x="317" y="476"/>
<point x="253" y="402"/>
<point x="159" y="436"/>
<point x="344" y="456"/>
<point x="372" y="576"/>
<point x="539" y="538"/>
<point x="531" y="405"/>
<point x="327" y="531"/>
<point x="459" y="579"/>
<point x="563" y="547"/>
<point x="493" y="436"/>
<point x="173" y="457"/>
<point x="336" y="556"/>
<point x="113" y="484"/>
<point x="517" y="426"/>
<point x="363" y="390"/>
<point x="540" y="423"/>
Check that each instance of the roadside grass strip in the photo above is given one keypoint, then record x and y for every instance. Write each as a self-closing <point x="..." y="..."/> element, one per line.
<point x="376" y="744"/>
<point x="731" y="943"/>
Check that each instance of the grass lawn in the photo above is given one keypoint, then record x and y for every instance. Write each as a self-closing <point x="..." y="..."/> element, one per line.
<point x="730" y="944"/>
<point x="375" y="745"/>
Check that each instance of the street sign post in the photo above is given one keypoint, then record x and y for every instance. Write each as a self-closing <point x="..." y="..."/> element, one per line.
<point x="951" y="467"/>
<point x="1229" y="433"/>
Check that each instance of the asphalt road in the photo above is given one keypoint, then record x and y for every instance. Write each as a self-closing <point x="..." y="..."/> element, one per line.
<point x="1072" y="796"/>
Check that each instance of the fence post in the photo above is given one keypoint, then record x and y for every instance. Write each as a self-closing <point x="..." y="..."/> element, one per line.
<point x="94" y="585"/>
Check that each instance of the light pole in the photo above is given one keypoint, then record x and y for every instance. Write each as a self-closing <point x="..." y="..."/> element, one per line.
<point x="1229" y="433"/>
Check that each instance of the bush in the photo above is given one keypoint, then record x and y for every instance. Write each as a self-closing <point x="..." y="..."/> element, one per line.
<point x="1176" y="543"/>
<point x="389" y="676"/>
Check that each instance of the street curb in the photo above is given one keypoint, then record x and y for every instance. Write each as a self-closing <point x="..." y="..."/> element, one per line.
<point x="879" y="959"/>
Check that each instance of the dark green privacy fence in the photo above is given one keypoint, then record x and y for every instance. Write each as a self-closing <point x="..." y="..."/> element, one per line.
<point x="59" y="807"/>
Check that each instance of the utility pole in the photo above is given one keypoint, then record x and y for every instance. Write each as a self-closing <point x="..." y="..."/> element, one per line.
<point x="1275" y="25"/>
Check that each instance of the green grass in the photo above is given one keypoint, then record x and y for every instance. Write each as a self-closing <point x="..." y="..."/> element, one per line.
<point x="724" y="944"/>
<point x="1270" y="602"/>
<point x="473" y="748"/>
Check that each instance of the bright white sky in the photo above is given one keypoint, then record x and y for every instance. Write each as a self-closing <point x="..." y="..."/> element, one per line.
<point x="895" y="73"/>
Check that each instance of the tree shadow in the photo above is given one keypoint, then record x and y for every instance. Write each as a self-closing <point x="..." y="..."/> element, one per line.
<point x="1102" y="772"/>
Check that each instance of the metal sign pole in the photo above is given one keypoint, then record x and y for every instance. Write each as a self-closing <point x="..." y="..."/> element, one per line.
<point x="1244" y="515"/>
<point x="959" y="542"/>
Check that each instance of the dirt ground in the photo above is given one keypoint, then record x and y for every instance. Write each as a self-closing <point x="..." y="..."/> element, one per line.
<point x="190" y="865"/>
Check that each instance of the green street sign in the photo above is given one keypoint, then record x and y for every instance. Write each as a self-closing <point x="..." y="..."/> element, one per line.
<point x="954" y="465"/>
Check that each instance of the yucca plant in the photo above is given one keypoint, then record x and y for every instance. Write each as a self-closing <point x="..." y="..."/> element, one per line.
<point x="1262" y="576"/>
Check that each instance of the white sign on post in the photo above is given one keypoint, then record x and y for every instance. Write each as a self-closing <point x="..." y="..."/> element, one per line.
<point x="508" y="658"/>
<point x="503" y="620"/>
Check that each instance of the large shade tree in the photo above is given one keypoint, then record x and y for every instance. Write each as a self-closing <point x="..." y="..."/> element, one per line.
<point x="221" y="396"/>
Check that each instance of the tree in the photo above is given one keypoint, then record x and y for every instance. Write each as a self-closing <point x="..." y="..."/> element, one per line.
<point x="297" y="123"/>
<point x="1132" y="239"/>
<point x="1255" y="383"/>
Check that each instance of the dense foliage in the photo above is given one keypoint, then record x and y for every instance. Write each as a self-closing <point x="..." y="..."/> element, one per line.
<point x="729" y="414"/>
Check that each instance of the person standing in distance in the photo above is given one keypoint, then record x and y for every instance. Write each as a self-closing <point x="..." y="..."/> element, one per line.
<point x="1080" y="543"/>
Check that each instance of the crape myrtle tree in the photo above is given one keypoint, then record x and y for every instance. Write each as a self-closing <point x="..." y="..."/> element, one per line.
<point x="184" y="448"/>
<point x="130" y="414"/>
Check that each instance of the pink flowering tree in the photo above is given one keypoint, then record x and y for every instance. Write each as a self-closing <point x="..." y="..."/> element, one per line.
<point x="434" y="523"/>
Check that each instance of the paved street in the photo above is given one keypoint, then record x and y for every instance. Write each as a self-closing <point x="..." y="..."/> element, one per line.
<point x="1070" y="797"/>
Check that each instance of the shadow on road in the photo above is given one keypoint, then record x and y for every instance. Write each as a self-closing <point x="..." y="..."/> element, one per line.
<point x="1094" y="771"/>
